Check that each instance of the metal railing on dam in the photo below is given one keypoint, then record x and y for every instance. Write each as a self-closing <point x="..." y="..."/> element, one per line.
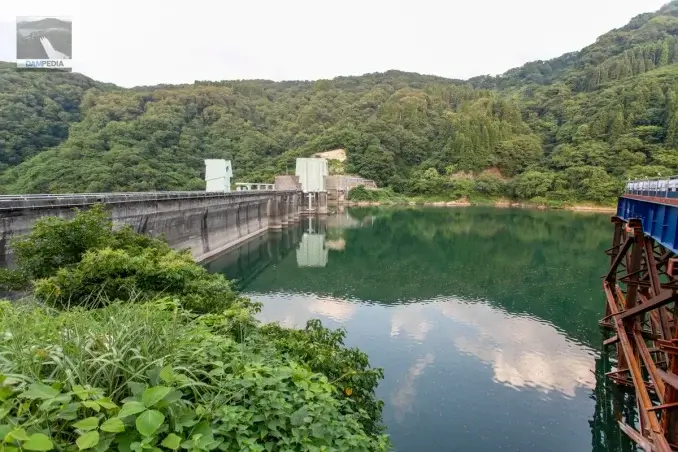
<point x="31" y="201"/>
<point x="666" y="187"/>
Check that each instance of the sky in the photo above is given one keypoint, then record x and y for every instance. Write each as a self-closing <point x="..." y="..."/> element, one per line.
<point x="147" y="42"/>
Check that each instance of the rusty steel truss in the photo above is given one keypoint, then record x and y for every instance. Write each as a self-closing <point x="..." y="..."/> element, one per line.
<point x="641" y="288"/>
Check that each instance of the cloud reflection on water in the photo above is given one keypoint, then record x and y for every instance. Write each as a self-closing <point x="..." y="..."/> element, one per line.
<point x="523" y="352"/>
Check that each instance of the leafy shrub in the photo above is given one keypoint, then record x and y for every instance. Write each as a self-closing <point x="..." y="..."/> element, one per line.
<point x="54" y="242"/>
<point x="106" y="274"/>
<point x="360" y="193"/>
<point x="153" y="376"/>
<point x="12" y="280"/>
<point x="347" y="368"/>
<point x="84" y="262"/>
<point x="283" y="408"/>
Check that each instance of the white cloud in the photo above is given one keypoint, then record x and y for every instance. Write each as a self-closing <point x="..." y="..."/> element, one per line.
<point x="148" y="42"/>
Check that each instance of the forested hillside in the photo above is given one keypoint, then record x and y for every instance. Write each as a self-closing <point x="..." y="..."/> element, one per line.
<point x="36" y="110"/>
<point x="569" y="129"/>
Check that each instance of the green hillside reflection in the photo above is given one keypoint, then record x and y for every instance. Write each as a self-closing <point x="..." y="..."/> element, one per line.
<point x="544" y="264"/>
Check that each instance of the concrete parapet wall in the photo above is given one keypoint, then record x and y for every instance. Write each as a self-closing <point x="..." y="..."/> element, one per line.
<point x="207" y="223"/>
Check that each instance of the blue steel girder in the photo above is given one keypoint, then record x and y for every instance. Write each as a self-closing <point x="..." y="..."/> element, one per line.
<point x="659" y="217"/>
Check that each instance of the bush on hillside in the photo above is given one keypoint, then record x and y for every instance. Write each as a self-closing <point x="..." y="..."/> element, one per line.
<point x="348" y="368"/>
<point x="83" y="262"/>
<point x="360" y="193"/>
<point x="55" y="242"/>
<point x="109" y="274"/>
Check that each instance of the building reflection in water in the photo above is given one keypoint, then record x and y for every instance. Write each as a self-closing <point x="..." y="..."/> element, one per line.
<point x="312" y="239"/>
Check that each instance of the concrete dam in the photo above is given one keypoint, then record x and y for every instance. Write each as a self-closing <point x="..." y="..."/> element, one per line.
<point x="206" y="222"/>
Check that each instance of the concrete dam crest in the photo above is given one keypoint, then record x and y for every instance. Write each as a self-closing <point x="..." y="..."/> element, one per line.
<point x="206" y="222"/>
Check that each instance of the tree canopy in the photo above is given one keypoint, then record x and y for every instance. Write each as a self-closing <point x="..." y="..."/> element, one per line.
<point x="571" y="128"/>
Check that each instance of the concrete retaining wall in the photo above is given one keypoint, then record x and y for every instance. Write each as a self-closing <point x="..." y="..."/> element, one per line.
<point x="207" y="224"/>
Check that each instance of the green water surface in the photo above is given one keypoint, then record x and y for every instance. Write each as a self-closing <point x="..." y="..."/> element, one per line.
<point x="485" y="320"/>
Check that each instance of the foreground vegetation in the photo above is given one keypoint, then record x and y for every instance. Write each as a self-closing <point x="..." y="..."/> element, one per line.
<point x="570" y="129"/>
<point x="128" y="345"/>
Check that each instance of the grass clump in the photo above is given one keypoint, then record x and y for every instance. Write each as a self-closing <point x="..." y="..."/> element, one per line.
<point x="133" y="346"/>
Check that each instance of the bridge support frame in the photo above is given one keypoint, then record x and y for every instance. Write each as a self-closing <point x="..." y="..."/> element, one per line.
<point x="641" y="315"/>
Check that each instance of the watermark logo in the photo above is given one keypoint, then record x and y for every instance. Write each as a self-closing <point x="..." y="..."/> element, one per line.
<point x="44" y="43"/>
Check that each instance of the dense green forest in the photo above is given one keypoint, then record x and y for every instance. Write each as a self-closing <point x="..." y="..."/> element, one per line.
<point x="569" y="129"/>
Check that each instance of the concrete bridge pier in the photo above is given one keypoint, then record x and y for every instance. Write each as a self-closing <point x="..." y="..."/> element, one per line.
<point x="283" y="210"/>
<point x="273" y="213"/>
<point x="296" y="207"/>
<point x="314" y="203"/>
<point x="322" y="203"/>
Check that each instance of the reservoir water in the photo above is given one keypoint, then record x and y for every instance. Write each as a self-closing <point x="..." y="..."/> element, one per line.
<point x="485" y="320"/>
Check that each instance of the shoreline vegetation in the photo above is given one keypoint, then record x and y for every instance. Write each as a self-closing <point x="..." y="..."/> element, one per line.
<point x="498" y="204"/>
<point x="361" y="197"/>
<point x="123" y="343"/>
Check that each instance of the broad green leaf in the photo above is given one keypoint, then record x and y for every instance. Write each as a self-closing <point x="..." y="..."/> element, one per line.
<point x="136" y="388"/>
<point x="5" y="393"/>
<point x="87" y="424"/>
<point x="166" y="374"/>
<point x="69" y="412"/>
<point x="51" y="404"/>
<point x="105" y="443"/>
<point x="3" y="412"/>
<point x="113" y="425"/>
<point x="93" y="405"/>
<point x="16" y="434"/>
<point x="173" y="396"/>
<point x="151" y="396"/>
<point x="38" y="441"/>
<point x="297" y="418"/>
<point x="40" y="391"/>
<point x="88" y="440"/>
<point x="131" y="408"/>
<point x="107" y="403"/>
<point x="4" y="430"/>
<point x="171" y="441"/>
<point x="149" y="421"/>
<point x="80" y="391"/>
